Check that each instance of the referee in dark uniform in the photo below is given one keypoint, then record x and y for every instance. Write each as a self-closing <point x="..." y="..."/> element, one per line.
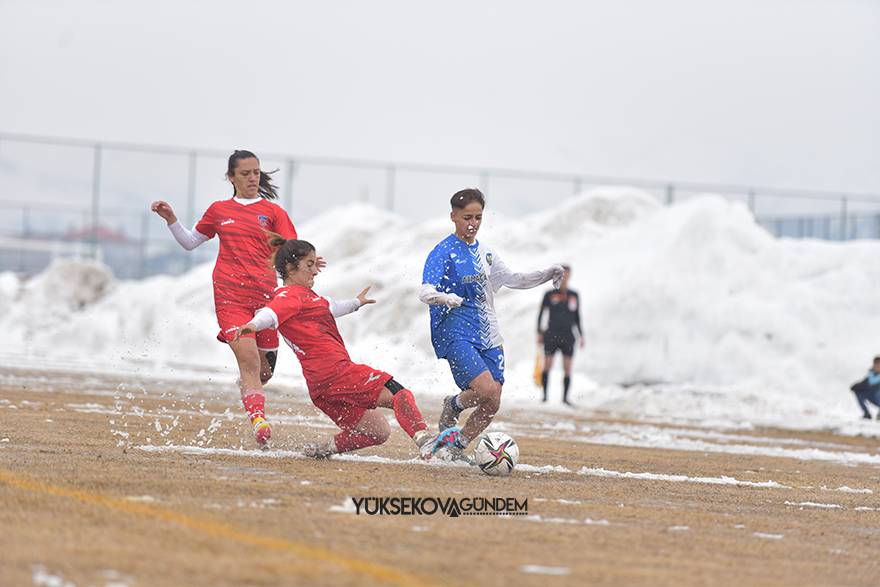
<point x="563" y="309"/>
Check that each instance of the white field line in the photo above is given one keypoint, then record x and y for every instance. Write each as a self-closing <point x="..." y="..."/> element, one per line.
<point x="810" y="504"/>
<point x="723" y="480"/>
<point x="283" y="453"/>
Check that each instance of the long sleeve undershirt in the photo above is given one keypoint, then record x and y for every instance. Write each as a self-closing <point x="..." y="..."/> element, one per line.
<point x="186" y="238"/>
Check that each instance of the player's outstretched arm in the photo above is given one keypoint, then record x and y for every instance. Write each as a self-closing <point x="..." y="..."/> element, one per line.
<point x="342" y="307"/>
<point x="263" y="319"/>
<point x="502" y="276"/>
<point x="164" y="209"/>
<point x="429" y="295"/>
<point x="186" y="238"/>
<point x="240" y="331"/>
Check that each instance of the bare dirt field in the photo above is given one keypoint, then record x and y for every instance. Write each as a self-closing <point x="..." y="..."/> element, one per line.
<point x="111" y="480"/>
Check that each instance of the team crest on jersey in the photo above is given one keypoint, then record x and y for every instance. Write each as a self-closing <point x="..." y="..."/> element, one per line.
<point x="489" y="259"/>
<point x="264" y="220"/>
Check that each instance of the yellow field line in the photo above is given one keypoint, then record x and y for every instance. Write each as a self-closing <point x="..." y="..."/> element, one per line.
<point x="217" y="530"/>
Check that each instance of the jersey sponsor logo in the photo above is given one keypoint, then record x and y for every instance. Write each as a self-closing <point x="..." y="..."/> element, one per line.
<point x="263" y="220"/>
<point x="227" y="221"/>
<point x="476" y="278"/>
<point x="373" y="377"/>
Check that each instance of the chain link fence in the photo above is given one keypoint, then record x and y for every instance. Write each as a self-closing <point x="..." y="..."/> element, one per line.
<point x="90" y="199"/>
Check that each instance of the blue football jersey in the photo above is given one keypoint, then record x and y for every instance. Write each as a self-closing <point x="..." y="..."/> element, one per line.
<point x="473" y="272"/>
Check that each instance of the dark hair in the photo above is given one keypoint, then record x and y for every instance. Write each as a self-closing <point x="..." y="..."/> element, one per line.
<point x="464" y="197"/>
<point x="876" y="359"/>
<point x="268" y="190"/>
<point x="287" y="252"/>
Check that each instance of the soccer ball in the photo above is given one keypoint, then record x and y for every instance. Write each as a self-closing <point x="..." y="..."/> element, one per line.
<point x="496" y="454"/>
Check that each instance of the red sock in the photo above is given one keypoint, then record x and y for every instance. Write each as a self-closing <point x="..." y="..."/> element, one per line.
<point x="407" y="413"/>
<point x="350" y="440"/>
<point x="254" y="405"/>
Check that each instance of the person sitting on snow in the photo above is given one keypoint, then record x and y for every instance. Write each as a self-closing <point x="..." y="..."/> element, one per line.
<point x="868" y="390"/>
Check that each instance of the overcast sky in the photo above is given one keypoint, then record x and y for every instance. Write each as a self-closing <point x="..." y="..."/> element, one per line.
<point x="775" y="92"/>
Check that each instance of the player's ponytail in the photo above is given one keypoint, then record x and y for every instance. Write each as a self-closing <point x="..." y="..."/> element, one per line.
<point x="275" y="239"/>
<point x="267" y="190"/>
<point x="287" y="252"/>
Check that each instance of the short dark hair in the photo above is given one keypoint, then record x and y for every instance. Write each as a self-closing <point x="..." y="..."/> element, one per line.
<point x="876" y="359"/>
<point x="464" y="197"/>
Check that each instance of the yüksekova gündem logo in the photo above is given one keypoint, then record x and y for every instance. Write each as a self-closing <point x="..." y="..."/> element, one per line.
<point x="447" y="506"/>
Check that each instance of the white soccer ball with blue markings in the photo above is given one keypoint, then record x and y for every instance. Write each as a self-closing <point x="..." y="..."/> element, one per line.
<point x="496" y="454"/>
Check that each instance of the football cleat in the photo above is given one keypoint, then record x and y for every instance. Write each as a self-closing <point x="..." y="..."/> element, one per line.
<point x="452" y="455"/>
<point x="262" y="432"/>
<point x="449" y="415"/>
<point x="450" y="438"/>
<point x="317" y="451"/>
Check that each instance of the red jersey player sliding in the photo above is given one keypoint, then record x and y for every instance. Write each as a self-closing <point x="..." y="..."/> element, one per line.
<point x="243" y="282"/>
<point x="347" y="392"/>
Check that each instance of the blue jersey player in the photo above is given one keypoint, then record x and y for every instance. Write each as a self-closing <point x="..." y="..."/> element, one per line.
<point x="460" y="280"/>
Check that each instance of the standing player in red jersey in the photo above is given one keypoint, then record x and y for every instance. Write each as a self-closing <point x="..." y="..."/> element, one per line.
<point x="243" y="278"/>
<point x="347" y="392"/>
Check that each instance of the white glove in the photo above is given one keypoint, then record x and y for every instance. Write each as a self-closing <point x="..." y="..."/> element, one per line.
<point x="558" y="273"/>
<point x="452" y="300"/>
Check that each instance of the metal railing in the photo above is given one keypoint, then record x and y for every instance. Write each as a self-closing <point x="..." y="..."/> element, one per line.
<point x="87" y="197"/>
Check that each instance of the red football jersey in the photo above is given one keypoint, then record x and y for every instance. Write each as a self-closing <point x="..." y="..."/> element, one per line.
<point x="242" y="274"/>
<point x="306" y="324"/>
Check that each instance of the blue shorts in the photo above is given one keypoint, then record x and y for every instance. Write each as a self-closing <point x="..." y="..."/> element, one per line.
<point x="467" y="362"/>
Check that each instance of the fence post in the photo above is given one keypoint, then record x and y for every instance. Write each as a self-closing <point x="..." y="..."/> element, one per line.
<point x="24" y="233"/>
<point x="390" y="173"/>
<point x="670" y="194"/>
<point x="26" y="222"/>
<point x="191" y="199"/>
<point x="191" y="189"/>
<point x="288" y="188"/>
<point x="843" y="218"/>
<point x="96" y="199"/>
<point x="484" y="181"/>
<point x="752" y="201"/>
<point x="145" y="230"/>
<point x="577" y="186"/>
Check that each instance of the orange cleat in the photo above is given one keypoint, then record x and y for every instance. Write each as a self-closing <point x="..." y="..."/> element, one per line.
<point x="262" y="432"/>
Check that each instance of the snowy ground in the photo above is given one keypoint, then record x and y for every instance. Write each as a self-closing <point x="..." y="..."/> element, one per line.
<point x="130" y="480"/>
<point x="693" y="313"/>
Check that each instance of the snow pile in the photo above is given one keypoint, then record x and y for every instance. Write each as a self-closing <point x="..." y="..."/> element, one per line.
<point x="691" y="310"/>
<point x="67" y="286"/>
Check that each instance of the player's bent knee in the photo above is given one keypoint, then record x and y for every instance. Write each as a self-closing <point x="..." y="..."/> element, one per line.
<point x="490" y="397"/>
<point x="382" y="434"/>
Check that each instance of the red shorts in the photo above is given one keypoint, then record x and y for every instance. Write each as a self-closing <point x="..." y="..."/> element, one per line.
<point x="349" y="394"/>
<point x="229" y="316"/>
